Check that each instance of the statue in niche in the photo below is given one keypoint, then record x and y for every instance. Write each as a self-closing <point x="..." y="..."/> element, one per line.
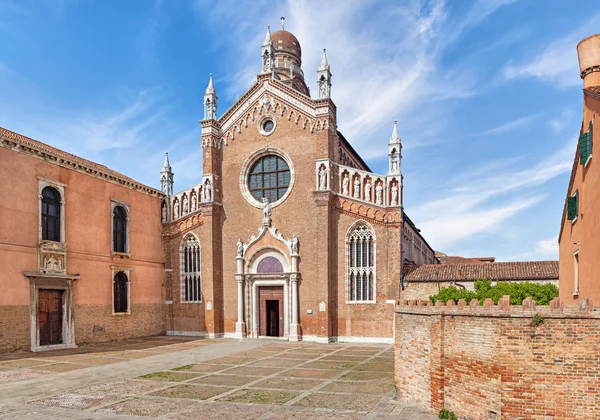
<point x="394" y="195"/>
<point x="194" y="203"/>
<point x="266" y="211"/>
<point x="368" y="191"/>
<point x="240" y="248"/>
<point x="184" y="205"/>
<point x="323" y="86"/>
<point x="357" y="189"/>
<point x="164" y="214"/>
<point x="176" y="209"/>
<point x="294" y="244"/>
<point x="394" y="161"/>
<point x="208" y="192"/>
<point x="322" y="178"/>
<point x="345" y="185"/>
<point x="379" y="194"/>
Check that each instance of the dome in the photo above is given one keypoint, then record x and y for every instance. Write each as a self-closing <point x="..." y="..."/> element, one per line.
<point x="286" y="42"/>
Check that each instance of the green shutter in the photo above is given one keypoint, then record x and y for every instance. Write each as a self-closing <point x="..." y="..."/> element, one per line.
<point x="585" y="145"/>
<point x="584" y="151"/>
<point x="572" y="206"/>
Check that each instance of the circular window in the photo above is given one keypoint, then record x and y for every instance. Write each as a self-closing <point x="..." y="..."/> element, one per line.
<point x="269" y="177"/>
<point x="268" y="126"/>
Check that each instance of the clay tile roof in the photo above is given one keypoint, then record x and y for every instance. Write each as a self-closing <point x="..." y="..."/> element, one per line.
<point x="450" y="259"/>
<point x="71" y="161"/>
<point x="593" y="90"/>
<point x="519" y="270"/>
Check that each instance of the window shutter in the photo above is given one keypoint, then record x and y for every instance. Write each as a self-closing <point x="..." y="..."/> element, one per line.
<point x="572" y="207"/>
<point x="583" y="148"/>
<point x="590" y="131"/>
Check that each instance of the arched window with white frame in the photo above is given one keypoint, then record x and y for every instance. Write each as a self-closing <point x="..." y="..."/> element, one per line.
<point x="190" y="269"/>
<point x="360" y="267"/>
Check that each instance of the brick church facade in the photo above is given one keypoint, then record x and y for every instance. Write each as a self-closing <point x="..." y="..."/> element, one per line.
<point x="289" y="233"/>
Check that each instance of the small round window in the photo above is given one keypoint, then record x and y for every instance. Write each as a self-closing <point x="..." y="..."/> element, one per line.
<point x="269" y="177"/>
<point x="268" y="126"/>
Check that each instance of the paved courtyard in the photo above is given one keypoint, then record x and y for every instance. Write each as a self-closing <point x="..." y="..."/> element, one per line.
<point x="187" y="378"/>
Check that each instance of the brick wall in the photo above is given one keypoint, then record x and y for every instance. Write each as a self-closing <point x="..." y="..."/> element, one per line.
<point x="490" y="361"/>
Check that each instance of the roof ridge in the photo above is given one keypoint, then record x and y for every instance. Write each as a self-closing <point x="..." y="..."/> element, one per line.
<point x="70" y="161"/>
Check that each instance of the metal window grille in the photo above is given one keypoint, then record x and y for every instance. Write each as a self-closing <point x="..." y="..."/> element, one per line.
<point x="190" y="266"/>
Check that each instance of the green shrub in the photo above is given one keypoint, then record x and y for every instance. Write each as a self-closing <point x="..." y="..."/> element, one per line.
<point x="542" y="294"/>
<point x="447" y="414"/>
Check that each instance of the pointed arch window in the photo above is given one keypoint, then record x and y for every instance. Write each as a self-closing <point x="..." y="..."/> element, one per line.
<point x="190" y="267"/>
<point x="119" y="229"/>
<point x="51" y="214"/>
<point x="361" y="265"/>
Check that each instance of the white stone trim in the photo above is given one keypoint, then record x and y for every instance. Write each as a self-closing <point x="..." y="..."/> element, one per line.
<point x="246" y="169"/>
<point x="114" y="203"/>
<point x="187" y="333"/>
<point x="60" y="187"/>
<point x="349" y="233"/>
<point x="182" y="266"/>
<point x="68" y="324"/>
<point x="261" y="122"/>
<point x="127" y="270"/>
<point x="255" y="305"/>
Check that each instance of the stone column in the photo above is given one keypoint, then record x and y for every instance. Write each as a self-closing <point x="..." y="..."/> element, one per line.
<point x="240" y="325"/>
<point x="295" y="330"/>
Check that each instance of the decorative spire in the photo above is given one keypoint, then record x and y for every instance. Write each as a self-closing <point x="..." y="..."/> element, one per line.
<point x="395" y="151"/>
<point x="267" y="53"/>
<point x="268" y="40"/>
<point x="324" y="63"/>
<point x="166" y="165"/>
<point x="282" y="23"/>
<point x="210" y="101"/>
<point x="395" y="138"/>
<point x="166" y="177"/>
<point x="211" y="88"/>
<point x="324" y="78"/>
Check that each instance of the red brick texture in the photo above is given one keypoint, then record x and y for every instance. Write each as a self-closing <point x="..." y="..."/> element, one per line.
<point x="490" y="361"/>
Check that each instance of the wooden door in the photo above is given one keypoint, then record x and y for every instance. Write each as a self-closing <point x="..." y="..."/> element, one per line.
<point x="50" y="316"/>
<point x="271" y="311"/>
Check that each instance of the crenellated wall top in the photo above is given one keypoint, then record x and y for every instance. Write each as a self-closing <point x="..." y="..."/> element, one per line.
<point x="527" y="309"/>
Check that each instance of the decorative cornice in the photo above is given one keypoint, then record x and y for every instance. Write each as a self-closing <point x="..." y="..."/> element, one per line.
<point x="37" y="149"/>
<point x="369" y="213"/>
<point x="183" y="225"/>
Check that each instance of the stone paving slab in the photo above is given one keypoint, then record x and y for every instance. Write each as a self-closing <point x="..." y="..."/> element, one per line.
<point x="217" y="379"/>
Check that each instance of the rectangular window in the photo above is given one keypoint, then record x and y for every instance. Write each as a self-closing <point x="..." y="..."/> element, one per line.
<point x="573" y="206"/>
<point x="585" y="145"/>
<point x="576" y="272"/>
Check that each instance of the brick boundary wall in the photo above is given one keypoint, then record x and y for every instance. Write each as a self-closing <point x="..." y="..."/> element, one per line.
<point x="493" y="362"/>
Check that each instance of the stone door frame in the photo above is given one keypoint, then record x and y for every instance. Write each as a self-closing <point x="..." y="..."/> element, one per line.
<point x="254" y="303"/>
<point x="42" y="281"/>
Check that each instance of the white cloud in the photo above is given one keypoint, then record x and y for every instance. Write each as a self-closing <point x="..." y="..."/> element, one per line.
<point x="512" y="125"/>
<point x="557" y="63"/>
<point x="548" y="246"/>
<point x="385" y="67"/>
<point x="473" y="203"/>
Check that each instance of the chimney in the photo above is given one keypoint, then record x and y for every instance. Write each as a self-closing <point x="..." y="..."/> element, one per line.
<point x="588" y="51"/>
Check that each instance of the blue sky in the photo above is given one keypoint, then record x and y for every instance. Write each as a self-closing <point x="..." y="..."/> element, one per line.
<point x="486" y="93"/>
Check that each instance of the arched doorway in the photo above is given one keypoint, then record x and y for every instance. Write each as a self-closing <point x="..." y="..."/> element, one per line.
<point x="268" y="281"/>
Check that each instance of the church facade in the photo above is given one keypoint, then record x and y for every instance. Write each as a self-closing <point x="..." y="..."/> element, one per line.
<point x="296" y="236"/>
<point x="289" y="233"/>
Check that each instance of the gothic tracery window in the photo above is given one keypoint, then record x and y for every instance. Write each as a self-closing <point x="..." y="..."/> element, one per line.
<point x="190" y="266"/>
<point x="361" y="265"/>
<point x="50" y="214"/>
